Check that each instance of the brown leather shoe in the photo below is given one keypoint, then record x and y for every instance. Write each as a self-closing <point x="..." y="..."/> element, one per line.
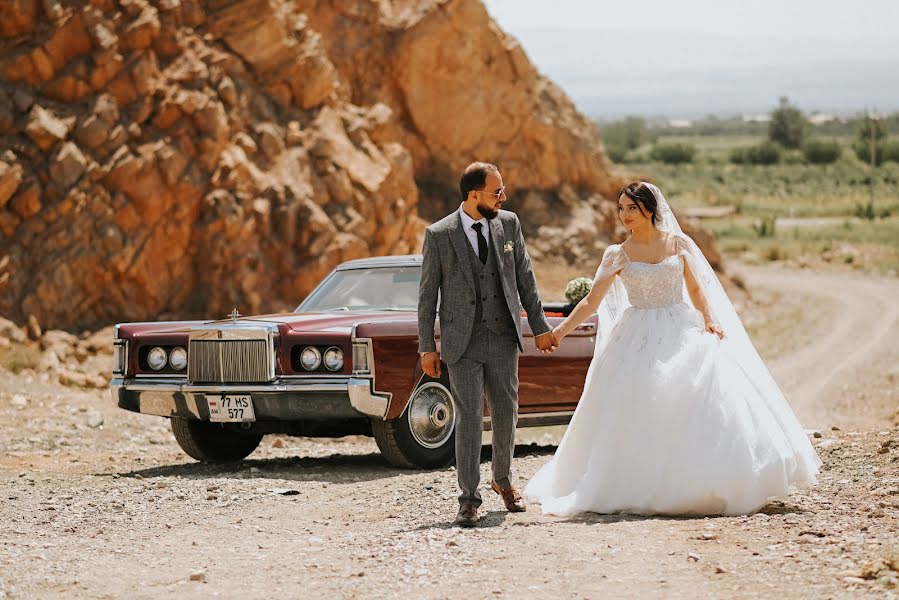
<point x="468" y="515"/>
<point x="511" y="498"/>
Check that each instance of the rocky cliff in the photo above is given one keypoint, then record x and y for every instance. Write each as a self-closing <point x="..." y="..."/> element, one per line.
<point x="181" y="157"/>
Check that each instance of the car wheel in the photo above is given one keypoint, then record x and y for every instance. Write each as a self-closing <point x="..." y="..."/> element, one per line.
<point x="424" y="436"/>
<point x="210" y="442"/>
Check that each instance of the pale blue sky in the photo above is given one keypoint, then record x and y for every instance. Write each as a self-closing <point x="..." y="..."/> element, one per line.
<point x="696" y="56"/>
<point x="802" y="19"/>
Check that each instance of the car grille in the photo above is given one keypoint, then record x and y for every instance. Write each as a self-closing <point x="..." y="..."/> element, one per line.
<point x="224" y="361"/>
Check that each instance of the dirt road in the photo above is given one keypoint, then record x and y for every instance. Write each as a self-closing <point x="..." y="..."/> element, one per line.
<point x="100" y="503"/>
<point x="843" y="328"/>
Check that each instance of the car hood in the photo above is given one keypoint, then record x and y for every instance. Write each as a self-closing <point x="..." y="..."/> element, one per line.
<point x="300" y="322"/>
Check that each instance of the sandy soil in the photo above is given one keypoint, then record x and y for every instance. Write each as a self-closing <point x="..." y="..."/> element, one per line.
<point x="101" y="503"/>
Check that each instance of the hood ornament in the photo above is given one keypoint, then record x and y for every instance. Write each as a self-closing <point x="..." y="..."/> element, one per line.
<point x="234" y="314"/>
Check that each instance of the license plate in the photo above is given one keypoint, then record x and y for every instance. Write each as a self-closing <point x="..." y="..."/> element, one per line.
<point x="231" y="408"/>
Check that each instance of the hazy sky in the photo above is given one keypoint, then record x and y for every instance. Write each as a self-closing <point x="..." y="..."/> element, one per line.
<point x="696" y="56"/>
<point x="797" y="19"/>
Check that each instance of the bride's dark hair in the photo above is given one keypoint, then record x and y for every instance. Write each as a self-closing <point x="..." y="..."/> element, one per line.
<point x="643" y="197"/>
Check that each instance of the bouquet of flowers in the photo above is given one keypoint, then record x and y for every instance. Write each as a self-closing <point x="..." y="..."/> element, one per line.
<point x="578" y="288"/>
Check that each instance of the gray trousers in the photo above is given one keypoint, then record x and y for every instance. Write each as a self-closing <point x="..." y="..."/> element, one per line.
<point x="489" y="364"/>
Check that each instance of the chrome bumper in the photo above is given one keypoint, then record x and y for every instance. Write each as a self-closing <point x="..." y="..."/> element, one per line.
<point x="282" y="399"/>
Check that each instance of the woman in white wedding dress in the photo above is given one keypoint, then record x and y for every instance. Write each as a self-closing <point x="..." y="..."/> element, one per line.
<point x="679" y="415"/>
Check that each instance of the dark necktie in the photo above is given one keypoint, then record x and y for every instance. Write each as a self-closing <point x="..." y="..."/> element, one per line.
<point x="482" y="243"/>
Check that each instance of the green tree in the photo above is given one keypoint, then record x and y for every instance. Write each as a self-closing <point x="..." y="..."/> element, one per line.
<point x="628" y="133"/>
<point x="622" y="136"/>
<point x="788" y="125"/>
<point x="871" y="128"/>
<point x="871" y="139"/>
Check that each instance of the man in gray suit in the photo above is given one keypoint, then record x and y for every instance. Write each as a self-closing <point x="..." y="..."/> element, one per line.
<point x="475" y="259"/>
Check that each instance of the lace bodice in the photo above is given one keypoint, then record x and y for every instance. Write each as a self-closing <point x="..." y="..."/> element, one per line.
<point x="648" y="285"/>
<point x="654" y="285"/>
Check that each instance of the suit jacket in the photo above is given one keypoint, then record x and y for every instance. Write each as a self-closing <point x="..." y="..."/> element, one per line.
<point x="446" y="273"/>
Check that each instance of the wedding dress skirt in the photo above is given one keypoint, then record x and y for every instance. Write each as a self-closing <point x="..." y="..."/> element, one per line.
<point x="668" y="422"/>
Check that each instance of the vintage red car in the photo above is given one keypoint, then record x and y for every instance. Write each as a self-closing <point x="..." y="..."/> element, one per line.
<point x="345" y="362"/>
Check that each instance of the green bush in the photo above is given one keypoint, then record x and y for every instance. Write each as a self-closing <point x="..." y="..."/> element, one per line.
<point x="766" y="153"/>
<point x="673" y="153"/>
<point x="616" y="153"/>
<point x="891" y="151"/>
<point x="822" y="152"/>
<point x="787" y="126"/>
<point x="767" y="227"/>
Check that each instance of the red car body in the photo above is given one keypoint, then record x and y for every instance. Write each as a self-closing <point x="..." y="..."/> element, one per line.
<point x="255" y="366"/>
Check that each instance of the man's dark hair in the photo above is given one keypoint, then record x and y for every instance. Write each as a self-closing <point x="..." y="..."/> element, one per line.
<point x="475" y="177"/>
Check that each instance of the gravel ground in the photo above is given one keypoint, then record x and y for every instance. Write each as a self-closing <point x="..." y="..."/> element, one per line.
<point x="101" y="503"/>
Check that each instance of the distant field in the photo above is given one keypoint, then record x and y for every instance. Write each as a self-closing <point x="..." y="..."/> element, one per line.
<point x="836" y="196"/>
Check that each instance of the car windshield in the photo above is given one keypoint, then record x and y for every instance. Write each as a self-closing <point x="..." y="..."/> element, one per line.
<point x="375" y="288"/>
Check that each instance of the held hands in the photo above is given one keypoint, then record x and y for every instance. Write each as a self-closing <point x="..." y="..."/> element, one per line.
<point x="557" y="336"/>
<point x="546" y="342"/>
<point x="430" y="364"/>
<point x="713" y="327"/>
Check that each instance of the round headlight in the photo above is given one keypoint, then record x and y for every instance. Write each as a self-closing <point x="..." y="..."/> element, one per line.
<point x="333" y="359"/>
<point x="157" y="358"/>
<point x="311" y="358"/>
<point x="178" y="358"/>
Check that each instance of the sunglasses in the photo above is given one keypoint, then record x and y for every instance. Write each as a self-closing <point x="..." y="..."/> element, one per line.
<point x="497" y="194"/>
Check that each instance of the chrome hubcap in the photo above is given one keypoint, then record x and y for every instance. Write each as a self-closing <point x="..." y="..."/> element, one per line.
<point x="431" y="416"/>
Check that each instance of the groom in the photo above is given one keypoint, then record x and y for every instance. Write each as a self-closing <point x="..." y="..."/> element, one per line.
<point x="476" y="261"/>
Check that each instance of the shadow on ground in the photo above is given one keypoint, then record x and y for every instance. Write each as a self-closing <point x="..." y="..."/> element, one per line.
<point x="333" y="468"/>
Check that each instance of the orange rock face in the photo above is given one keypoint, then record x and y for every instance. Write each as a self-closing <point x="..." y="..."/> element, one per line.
<point x="180" y="158"/>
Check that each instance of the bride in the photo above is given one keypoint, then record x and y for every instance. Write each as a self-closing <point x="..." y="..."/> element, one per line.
<point x="679" y="416"/>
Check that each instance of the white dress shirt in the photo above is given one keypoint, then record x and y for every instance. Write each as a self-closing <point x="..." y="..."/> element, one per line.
<point x="470" y="233"/>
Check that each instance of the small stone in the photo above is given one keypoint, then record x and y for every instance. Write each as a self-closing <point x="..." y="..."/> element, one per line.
<point x="198" y="576"/>
<point x="853" y="580"/>
<point x="817" y="434"/>
<point x="692" y="556"/>
<point x="278" y="443"/>
<point x="72" y="378"/>
<point x="719" y="569"/>
<point x="34" y="328"/>
<point x="44" y="128"/>
<point x="271" y="140"/>
<point x="10" y="179"/>
<point x="227" y="91"/>
<point x="68" y="165"/>
<point x="94" y="420"/>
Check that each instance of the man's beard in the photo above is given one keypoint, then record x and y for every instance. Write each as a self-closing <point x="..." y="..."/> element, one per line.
<point x="487" y="212"/>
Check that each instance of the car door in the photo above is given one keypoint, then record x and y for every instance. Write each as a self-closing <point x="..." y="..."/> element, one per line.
<point x="553" y="382"/>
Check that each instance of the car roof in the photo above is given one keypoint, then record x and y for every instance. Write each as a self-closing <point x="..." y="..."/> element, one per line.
<point x="404" y="260"/>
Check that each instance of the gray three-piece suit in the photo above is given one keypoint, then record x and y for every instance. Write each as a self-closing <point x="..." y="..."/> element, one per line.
<point x="480" y="329"/>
